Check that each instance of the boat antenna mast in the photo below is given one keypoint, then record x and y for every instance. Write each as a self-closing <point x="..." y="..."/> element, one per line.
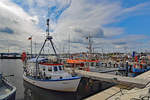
<point x="48" y="38"/>
<point x="89" y="44"/>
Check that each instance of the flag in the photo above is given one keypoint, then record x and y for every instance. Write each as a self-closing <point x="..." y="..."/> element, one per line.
<point x="136" y="58"/>
<point x="30" y="38"/>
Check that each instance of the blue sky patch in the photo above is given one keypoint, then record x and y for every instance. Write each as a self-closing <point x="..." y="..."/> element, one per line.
<point x="7" y="30"/>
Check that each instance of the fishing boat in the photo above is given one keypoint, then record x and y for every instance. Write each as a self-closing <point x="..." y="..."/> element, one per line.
<point x="139" y="66"/>
<point x="84" y="61"/>
<point x="48" y="72"/>
<point x="7" y="91"/>
<point x="83" y="64"/>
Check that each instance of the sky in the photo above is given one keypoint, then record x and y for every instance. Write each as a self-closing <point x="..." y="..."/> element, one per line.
<point x="115" y="25"/>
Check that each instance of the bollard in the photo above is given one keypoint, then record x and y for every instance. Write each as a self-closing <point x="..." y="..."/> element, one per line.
<point x="127" y="68"/>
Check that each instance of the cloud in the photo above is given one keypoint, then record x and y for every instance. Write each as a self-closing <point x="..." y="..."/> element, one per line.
<point x="130" y="41"/>
<point x="54" y="12"/>
<point x="72" y="21"/>
<point x="83" y="18"/>
<point x="95" y="33"/>
<point x="16" y="25"/>
<point x="119" y="43"/>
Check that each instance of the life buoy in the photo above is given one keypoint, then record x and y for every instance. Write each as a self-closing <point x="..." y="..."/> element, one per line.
<point x="23" y="56"/>
<point x="136" y="58"/>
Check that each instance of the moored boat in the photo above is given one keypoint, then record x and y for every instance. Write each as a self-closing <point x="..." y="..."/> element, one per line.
<point x="7" y="91"/>
<point x="48" y="72"/>
<point x="51" y="76"/>
<point x="83" y="64"/>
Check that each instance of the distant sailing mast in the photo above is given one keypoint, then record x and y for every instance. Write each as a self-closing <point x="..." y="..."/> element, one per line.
<point x="69" y="45"/>
<point x="35" y="48"/>
<point x="90" y="43"/>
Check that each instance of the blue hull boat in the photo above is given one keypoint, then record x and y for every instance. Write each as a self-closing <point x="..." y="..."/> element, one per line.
<point x="137" y="71"/>
<point x="7" y="91"/>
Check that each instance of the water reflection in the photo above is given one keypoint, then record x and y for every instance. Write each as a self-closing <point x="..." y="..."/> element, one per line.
<point x="32" y="92"/>
<point x="26" y="91"/>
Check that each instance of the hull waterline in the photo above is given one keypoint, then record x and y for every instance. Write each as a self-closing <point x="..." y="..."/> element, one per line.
<point x="68" y="85"/>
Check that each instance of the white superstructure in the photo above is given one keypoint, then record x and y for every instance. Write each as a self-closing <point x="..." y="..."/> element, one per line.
<point x="50" y="76"/>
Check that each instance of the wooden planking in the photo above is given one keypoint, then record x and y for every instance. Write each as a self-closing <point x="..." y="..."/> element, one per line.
<point x="113" y="92"/>
<point x="106" y="94"/>
<point x="129" y="81"/>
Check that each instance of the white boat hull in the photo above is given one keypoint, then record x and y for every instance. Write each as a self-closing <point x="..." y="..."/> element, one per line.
<point x="66" y="85"/>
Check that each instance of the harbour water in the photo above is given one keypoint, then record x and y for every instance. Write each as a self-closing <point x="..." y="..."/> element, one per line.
<point x="13" y="67"/>
<point x="26" y="91"/>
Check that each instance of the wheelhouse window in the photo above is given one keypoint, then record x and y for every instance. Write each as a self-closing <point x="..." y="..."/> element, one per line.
<point x="92" y="64"/>
<point x="87" y="64"/>
<point x="55" y="68"/>
<point x="43" y="68"/>
<point x="60" y="68"/>
<point x="97" y="64"/>
<point x="50" y="69"/>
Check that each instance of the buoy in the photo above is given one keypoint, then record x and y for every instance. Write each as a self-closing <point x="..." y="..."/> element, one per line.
<point x="23" y="56"/>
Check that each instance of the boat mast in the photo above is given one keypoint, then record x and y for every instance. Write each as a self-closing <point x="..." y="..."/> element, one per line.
<point x="48" y="38"/>
<point x="31" y="46"/>
<point x="35" y="48"/>
<point x="69" y="45"/>
<point x="89" y="44"/>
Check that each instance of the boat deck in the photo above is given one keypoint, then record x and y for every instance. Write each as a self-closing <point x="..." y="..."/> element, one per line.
<point x="121" y="92"/>
<point x="4" y="90"/>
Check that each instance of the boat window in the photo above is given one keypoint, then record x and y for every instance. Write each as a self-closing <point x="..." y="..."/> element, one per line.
<point x="55" y="68"/>
<point x="50" y="69"/>
<point x="60" y="68"/>
<point x="97" y="64"/>
<point x="43" y="68"/>
<point x="92" y="64"/>
<point x="87" y="64"/>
